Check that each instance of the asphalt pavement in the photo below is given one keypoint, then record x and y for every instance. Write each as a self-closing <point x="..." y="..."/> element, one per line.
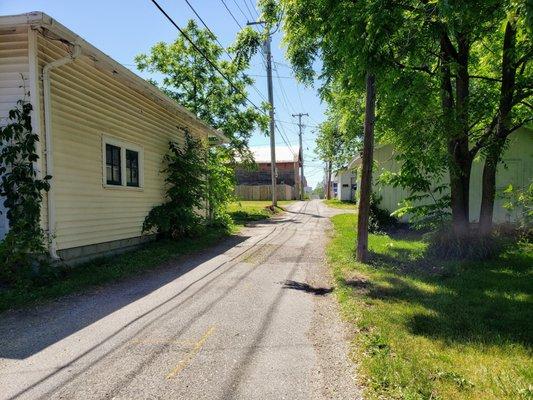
<point x="251" y="318"/>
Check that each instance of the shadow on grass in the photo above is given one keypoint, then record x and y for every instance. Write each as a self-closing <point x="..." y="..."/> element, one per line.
<point x="485" y="302"/>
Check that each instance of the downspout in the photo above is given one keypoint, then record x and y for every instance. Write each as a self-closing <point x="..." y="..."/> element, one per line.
<point x="48" y="142"/>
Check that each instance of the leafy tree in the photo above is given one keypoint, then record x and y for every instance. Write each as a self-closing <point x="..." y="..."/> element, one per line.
<point x="185" y="169"/>
<point x="194" y="83"/>
<point x="448" y="77"/>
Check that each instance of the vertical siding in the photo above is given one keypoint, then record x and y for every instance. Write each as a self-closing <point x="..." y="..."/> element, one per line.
<point x="87" y="104"/>
<point x="517" y="169"/>
<point x="14" y="80"/>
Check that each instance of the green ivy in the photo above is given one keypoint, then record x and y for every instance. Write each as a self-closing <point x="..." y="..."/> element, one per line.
<point x="185" y="170"/>
<point x="23" y="193"/>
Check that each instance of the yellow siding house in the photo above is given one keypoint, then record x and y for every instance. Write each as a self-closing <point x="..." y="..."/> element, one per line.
<point x="103" y="133"/>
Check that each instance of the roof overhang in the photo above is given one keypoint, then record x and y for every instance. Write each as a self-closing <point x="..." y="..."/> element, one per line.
<point x="40" y="20"/>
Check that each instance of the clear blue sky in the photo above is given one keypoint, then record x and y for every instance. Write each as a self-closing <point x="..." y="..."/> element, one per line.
<point x="123" y="29"/>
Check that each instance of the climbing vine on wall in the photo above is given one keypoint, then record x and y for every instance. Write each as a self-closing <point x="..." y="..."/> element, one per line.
<point x="22" y="193"/>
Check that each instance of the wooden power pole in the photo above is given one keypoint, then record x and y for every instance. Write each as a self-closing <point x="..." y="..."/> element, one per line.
<point x="268" y="56"/>
<point x="366" y="173"/>
<point x="300" y="115"/>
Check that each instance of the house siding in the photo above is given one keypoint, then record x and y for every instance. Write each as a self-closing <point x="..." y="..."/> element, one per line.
<point x="14" y="82"/>
<point x="516" y="169"/>
<point x="88" y="103"/>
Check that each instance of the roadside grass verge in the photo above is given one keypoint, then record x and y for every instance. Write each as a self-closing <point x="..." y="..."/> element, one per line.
<point x="106" y="270"/>
<point x="345" y="205"/>
<point x="247" y="211"/>
<point x="428" y="329"/>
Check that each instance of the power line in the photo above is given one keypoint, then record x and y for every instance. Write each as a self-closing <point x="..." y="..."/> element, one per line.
<point x="220" y="44"/>
<point x="264" y="76"/>
<point x="240" y="9"/>
<point x="295" y="123"/>
<point x="204" y="55"/>
<point x="283" y="94"/>
<point x="286" y="140"/>
<point x="253" y="7"/>
<point x="249" y="10"/>
<point x="230" y="13"/>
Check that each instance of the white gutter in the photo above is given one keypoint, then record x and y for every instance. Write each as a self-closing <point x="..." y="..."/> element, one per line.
<point x="48" y="142"/>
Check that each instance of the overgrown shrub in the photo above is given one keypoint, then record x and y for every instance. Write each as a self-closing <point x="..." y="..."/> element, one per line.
<point x="379" y="219"/>
<point x="185" y="186"/>
<point x="220" y="186"/>
<point x="445" y="244"/>
<point x="520" y="202"/>
<point x="22" y="252"/>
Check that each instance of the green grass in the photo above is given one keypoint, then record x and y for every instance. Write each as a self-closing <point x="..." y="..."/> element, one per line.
<point x="427" y="329"/>
<point x="112" y="269"/>
<point x="246" y="211"/>
<point x="345" y="205"/>
<point x="106" y="270"/>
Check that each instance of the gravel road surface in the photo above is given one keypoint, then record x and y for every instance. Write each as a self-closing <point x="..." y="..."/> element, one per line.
<point x="251" y="318"/>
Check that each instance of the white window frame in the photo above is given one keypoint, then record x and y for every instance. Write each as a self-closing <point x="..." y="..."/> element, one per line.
<point x="123" y="145"/>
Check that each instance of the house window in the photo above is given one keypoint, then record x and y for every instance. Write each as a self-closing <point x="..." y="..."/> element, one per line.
<point x="132" y="168"/>
<point x="113" y="175"/>
<point x="123" y="164"/>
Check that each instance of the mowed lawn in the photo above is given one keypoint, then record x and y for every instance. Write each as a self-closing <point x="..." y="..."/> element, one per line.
<point x="251" y="210"/>
<point x="345" y="205"/>
<point x="427" y="329"/>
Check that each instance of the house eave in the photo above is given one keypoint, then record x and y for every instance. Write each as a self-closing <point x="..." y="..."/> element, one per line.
<point x="38" y="20"/>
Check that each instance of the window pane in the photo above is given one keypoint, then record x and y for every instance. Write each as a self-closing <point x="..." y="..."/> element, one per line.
<point x="113" y="165"/>
<point x="132" y="168"/>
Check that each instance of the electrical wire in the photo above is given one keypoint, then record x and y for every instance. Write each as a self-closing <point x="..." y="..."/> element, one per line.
<point x="240" y="9"/>
<point x="249" y="10"/>
<point x="205" y="56"/>
<point x="230" y="13"/>
<point x="220" y="44"/>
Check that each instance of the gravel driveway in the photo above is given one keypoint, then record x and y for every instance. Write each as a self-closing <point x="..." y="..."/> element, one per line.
<point x="251" y="318"/>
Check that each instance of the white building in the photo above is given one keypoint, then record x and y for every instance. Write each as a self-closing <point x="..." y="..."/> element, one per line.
<point x="344" y="185"/>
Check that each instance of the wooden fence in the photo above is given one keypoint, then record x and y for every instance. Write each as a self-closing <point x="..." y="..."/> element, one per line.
<point x="264" y="192"/>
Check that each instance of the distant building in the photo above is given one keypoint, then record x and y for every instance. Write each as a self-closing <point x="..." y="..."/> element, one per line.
<point x="344" y="185"/>
<point x="255" y="184"/>
<point x="516" y="169"/>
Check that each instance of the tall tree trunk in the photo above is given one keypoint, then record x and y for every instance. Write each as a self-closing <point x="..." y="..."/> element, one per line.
<point x="366" y="173"/>
<point x="456" y="124"/>
<point x="500" y="129"/>
<point x="488" y="193"/>
<point x="459" y="167"/>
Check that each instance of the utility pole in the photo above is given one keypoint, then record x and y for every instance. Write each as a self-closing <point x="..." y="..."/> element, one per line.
<point x="300" y="115"/>
<point x="268" y="56"/>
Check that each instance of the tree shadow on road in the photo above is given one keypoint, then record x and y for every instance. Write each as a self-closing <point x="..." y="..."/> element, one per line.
<point x="304" y="287"/>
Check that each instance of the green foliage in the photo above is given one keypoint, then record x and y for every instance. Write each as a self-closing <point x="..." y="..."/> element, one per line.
<point x="24" y="244"/>
<point x="379" y="219"/>
<point x="194" y="83"/>
<point x="416" y="49"/>
<point x="520" y="201"/>
<point x="220" y="186"/>
<point x="185" y="171"/>
<point x="244" y="211"/>
<point x="444" y="244"/>
<point x="426" y="210"/>
<point x="433" y="329"/>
